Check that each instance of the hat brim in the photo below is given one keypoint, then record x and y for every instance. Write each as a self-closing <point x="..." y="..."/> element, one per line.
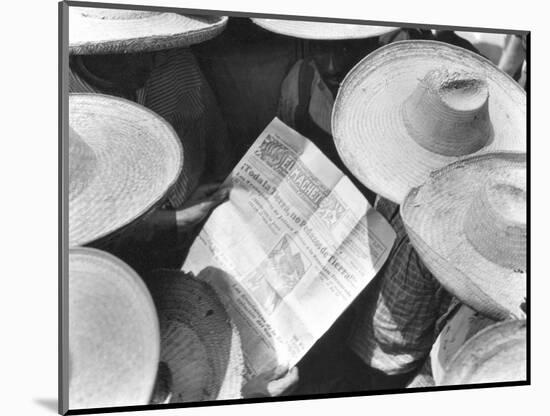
<point x="154" y="31"/>
<point x="322" y="30"/>
<point x="497" y="353"/>
<point x="367" y="123"/>
<point x="137" y="158"/>
<point x="199" y="342"/>
<point x="434" y="215"/>
<point x="113" y="333"/>
<point x="463" y="324"/>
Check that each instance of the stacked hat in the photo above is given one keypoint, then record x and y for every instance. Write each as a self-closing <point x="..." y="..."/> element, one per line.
<point x="442" y="132"/>
<point x="460" y="327"/>
<point x="497" y="353"/>
<point x="113" y="332"/>
<point x="415" y="106"/>
<point x="113" y="31"/>
<point x="468" y="224"/>
<point x="199" y="342"/>
<point x="123" y="159"/>
<point x="322" y="30"/>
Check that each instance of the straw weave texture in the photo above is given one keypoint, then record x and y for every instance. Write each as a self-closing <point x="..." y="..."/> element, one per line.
<point x="109" y="31"/>
<point x="322" y="30"/>
<point x="114" y="339"/>
<point x="199" y="342"/>
<point x="489" y="276"/>
<point x="368" y="125"/>
<point x="123" y="159"/>
<point x="498" y="353"/>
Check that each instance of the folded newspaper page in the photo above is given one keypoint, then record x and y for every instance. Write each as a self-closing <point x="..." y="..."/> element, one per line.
<point x="292" y="247"/>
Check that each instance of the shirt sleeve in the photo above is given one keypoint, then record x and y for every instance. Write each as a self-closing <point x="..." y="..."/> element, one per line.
<point x="424" y="378"/>
<point x="174" y="91"/>
<point x="395" y="327"/>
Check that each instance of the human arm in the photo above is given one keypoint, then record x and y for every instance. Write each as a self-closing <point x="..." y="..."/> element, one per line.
<point x="165" y="227"/>
<point x="200" y="204"/>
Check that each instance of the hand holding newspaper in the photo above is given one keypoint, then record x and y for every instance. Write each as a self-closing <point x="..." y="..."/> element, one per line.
<point x="292" y="247"/>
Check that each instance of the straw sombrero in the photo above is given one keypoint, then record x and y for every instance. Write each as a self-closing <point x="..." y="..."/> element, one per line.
<point x="468" y="225"/>
<point x="463" y="325"/>
<point x="498" y="353"/>
<point x="109" y="31"/>
<point x="322" y="30"/>
<point x="199" y="342"/>
<point x="113" y="329"/>
<point x="123" y="158"/>
<point x="414" y="106"/>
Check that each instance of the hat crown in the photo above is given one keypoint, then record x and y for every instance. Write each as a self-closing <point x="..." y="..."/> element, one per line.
<point x="496" y="224"/>
<point x="114" y="14"/>
<point x="82" y="164"/>
<point x="448" y="113"/>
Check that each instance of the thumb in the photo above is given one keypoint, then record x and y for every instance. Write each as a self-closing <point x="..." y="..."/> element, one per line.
<point x="285" y="384"/>
<point x="190" y="216"/>
<point x="279" y="371"/>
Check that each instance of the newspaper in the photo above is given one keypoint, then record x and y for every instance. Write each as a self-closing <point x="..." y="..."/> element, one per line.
<point x="292" y="247"/>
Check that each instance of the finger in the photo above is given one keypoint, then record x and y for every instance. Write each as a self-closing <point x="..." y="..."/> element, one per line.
<point x="194" y="214"/>
<point x="199" y="210"/>
<point x="295" y="378"/>
<point x="205" y="190"/>
<point x="294" y="373"/>
<point x="270" y="374"/>
<point x="279" y="371"/>
<point x="280" y="386"/>
<point x="203" y="207"/>
<point x="222" y="194"/>
<point x="201" y="192"/>
<point x="209" y="188"/>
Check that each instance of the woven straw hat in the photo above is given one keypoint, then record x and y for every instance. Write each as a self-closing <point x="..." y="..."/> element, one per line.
<point x="468" y="225"/>
<point x="123" y="159"/>
<point x="463" y="325"/>
<point x="414" y="106"/>
<point x="199" y="342"/>
<point x="498" y="353"/>
<point x="107" y="31"/>
<point x="114" y="339"/>
<point x="322" y="30"/>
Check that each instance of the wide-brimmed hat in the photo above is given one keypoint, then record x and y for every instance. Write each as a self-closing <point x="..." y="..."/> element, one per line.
<point x="459" y="328"/>
<point x="123" y="158"/>
<point x="414" y="106"/>
<point x="468" y="225"/>
<point x="114" y="339"/>
<point x="108" y="31"/>
<point x="497" y="353"/>
<point x="199" y="343"/>
<point x="322" y="30"/>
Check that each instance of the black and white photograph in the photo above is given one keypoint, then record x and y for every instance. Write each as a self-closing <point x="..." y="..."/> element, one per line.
<point x="268" y="207"/>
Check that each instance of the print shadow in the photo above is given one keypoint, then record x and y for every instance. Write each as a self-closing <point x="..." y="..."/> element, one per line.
<point x="49" y="404"/>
